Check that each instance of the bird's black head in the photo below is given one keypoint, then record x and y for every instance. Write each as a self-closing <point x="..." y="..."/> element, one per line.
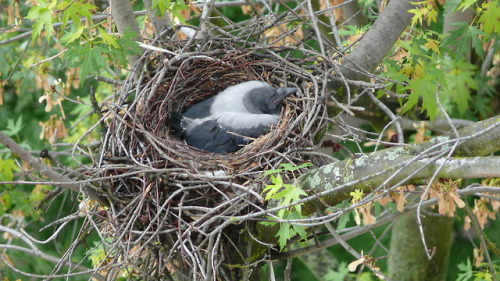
<point x="266" y="100"/>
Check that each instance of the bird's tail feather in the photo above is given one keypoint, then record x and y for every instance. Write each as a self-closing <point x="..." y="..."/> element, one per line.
<point x="175" y="122"/>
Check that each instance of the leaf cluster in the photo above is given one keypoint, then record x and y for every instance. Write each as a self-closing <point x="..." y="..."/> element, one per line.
<point x="174" y="8"/>
<point x="89" y="47"/>
<point x="286" y="195"/>
<point x="94" y="54"/>
<point x="433" y="68"/>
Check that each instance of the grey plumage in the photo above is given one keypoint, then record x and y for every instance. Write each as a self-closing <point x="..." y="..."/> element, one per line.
<point x="228" y="120"/>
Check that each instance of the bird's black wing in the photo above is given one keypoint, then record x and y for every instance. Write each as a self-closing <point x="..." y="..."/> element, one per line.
<point x="210" y="136"/>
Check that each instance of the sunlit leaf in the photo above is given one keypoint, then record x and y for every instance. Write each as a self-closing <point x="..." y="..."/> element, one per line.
<point x="72" y="36"/>
<point x="489" y="17"/>
<point x="41" y="16"/>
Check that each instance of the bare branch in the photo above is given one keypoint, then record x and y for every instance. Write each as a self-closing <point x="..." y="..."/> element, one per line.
<point x="43" y="169"/>
<point x="34" y="251"/>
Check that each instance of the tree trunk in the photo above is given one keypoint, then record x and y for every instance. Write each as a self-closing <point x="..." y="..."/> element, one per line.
<point x="408" y="260"/>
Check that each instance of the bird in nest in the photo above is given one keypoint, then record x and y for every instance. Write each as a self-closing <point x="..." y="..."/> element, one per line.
<point x="231" y="119"/>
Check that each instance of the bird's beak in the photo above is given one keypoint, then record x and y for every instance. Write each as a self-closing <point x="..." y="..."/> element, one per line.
<point x="282" y="93"/>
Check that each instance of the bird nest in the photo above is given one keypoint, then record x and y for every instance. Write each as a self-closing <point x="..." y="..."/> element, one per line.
<point x="174" y="205"/>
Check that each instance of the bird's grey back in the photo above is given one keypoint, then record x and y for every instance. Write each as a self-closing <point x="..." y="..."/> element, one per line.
<point x="231" y="99"/>
<point x="199" y="110"/>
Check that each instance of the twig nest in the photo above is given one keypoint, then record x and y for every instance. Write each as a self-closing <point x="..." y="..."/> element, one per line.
<point x="165" y="184"/>
<point x="172" y="83"/>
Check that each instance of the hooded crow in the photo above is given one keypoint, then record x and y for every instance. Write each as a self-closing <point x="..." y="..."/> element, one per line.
<point x="230" y="119"/>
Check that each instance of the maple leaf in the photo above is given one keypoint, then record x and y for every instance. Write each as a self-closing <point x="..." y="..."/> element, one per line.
<point x="41" y="15"/>
<point x="458" y="81"/>
<point x="89" y="58"/>
<point x="489" y="17"/>
<point x="422" y="87"/>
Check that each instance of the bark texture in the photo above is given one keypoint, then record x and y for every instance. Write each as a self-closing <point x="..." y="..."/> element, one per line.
<point x="124" y="17"/>
<point x="408" y="260"/>
<point x="375" y="44"/>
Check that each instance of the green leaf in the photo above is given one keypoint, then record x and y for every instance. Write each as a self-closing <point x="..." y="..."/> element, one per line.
<point x="418" y="13"/>
<point x="14" y="127"/>
<point x="161" y="6"/>
<point x="286" y="194"/>
<point x="427" y="12"/>
<point x="93" y="61"/>
<point x="465" y="4"/>
<point x="287" y="166"/>
<point x="393" y="72"/>
<point x="458" y="40"/>
<point x="72" y="36"/>
<point x="483" y="276"/>
<point x="350" y="30"/>
<point x="458" y="80"/>
<point x="292" y="167"/>
<point x="289" y="230"/>
<point x="344" y="219"/>
<point x="127" y="41"/>
<point x="272" y="189"/>
<point x="341" y="274"/>
<point x="176" y="10"/>
<point x="94" y="56"/>
<point x="97" y="254"/>
<point x="298" y="229"/>
<point x="451" y="5"/>
<point x="268" y="223"/>
<point x="7" y="169"/>
<point x="481" y="103"/>
<point x="356" y="195"/>
<point x="291" y="194"/>
<point x="284" y="234"/>
<point x="41" y="15"/>
<point x="423" y="87"/>
<point x="490" y="13"/>
<point x="89" y="58"/>
<point x="108" y="39"/>
<point x="75" y="11"/>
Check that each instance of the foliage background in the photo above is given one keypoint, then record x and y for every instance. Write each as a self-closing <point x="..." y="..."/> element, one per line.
<point x="45" y="104"/>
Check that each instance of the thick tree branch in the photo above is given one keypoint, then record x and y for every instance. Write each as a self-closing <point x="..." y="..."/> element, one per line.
<point x="440" y="125"/>
<point x="403" y="165"/>
<point x="331" y="184"/>
<point x="372" y="48"/>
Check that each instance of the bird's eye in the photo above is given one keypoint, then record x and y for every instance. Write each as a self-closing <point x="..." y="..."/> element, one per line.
<point x="271" y="100"/>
